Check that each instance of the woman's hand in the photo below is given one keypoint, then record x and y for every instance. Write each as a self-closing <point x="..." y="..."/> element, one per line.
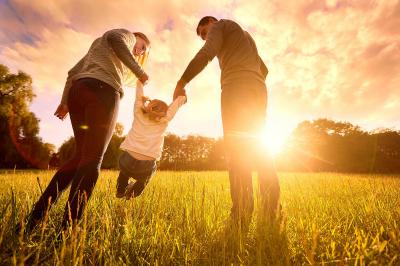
<point x="144" y="78"/>
<point x="62" y="111"/>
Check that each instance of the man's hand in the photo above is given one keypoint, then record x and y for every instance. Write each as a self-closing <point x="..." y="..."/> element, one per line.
<point x="144" y="78"/>
<point x="180" y="89"/>
<point x="62" y="111"/>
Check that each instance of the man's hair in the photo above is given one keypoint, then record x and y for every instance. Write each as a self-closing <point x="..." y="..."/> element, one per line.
<point x="142" y="36"/>
<point x="204" y="21"/>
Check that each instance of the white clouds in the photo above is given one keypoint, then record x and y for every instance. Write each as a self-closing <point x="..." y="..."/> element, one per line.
<point x="48" y="59"/>
<point x="334" y="58"/>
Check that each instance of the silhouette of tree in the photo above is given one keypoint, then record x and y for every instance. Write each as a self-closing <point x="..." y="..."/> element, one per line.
<point x="20" y="144"/>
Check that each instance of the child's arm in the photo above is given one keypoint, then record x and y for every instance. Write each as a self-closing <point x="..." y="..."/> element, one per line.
<point x="174" y="107"/>
<point x="139" y="96"/>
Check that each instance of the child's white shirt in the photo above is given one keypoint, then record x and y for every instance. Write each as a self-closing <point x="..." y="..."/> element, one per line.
<point x="147" y="136"/>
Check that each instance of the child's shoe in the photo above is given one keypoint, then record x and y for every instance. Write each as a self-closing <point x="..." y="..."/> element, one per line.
<point x="129" y="191"/>
<point x="120" y="192"/>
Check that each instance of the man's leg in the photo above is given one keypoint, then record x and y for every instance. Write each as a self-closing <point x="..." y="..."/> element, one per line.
<point x="269" y="183"/>
<point x="236" y="136"/>
<point x="240" y="176"/>
<point x="268" y="178"/>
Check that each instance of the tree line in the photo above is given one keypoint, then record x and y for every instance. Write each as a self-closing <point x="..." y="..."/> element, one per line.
<point x="317" y="145"/>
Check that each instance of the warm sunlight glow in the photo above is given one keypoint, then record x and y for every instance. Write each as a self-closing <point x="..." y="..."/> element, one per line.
<point x="274" y="139"/>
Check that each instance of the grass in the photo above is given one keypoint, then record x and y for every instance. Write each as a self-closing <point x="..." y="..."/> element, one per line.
<point x="182" y="218"/>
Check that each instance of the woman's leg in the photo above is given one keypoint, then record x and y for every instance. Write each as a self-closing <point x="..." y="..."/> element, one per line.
<point x="63" y="177"/>
<point x="100" y="104"/>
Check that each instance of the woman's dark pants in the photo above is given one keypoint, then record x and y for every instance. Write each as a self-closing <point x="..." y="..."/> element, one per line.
<point x="93" y="107"/>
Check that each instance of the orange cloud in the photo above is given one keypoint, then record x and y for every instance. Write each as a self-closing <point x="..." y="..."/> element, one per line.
<point x="336" y="59"/>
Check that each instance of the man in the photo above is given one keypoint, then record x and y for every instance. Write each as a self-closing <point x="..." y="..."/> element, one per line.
<point x="243" y="109"/>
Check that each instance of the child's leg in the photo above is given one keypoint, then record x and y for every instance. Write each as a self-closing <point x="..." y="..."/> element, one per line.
<point x="122" y="183"/>
<point x="136" y="189"/>
<point x="126" y="164"/>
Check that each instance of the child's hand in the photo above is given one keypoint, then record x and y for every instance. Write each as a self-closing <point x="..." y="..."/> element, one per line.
<point x="62" y="111"/>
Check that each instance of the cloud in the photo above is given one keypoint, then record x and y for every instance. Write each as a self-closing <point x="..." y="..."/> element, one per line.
<point x="336" y="59"/>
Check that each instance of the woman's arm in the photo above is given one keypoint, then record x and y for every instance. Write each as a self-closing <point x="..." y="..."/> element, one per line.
<point x="117" y="41"/>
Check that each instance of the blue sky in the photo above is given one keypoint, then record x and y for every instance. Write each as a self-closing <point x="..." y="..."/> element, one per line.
<point x="333" y="59"/>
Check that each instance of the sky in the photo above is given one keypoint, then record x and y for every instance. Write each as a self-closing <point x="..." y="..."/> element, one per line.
<point x="326" y="59"/>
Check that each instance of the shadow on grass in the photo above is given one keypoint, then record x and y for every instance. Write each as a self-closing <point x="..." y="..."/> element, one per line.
<point x="260" y="242"/>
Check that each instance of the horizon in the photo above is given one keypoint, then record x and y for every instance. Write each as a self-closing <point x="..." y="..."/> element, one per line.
<point x="326" y="59"/>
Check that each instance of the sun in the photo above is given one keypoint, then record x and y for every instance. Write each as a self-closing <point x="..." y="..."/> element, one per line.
<point x="273" y="139"/>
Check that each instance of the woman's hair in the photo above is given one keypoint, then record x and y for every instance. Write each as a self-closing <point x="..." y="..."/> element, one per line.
<point x="142" y="59"/>
<point x="155" y="109"/>
<point x="142" y="36"/>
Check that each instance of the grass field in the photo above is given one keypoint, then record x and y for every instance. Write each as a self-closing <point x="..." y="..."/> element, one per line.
<point x="182" y="218"/>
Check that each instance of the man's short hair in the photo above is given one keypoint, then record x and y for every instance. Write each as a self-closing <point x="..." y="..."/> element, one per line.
<point x="142" y="36"/>
<point x="204" y="21"/>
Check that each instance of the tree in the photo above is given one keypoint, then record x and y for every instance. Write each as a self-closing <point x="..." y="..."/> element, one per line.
<point x="66" y="150"/>
<point x="111" y="157"/>
<point x="327" y="145"/>
<point x="19" y="143"/>
<point x="192" y="153"/>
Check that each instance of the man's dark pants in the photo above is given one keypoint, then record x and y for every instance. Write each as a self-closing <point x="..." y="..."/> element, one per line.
<point x="243" y="109"/>
<point x="93" y="107"/>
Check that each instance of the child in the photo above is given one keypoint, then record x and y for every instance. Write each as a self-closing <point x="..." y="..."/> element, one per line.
<point x="143" y="144"/>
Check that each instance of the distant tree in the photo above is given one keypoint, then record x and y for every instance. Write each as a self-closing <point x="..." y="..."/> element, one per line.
<point x="387" y="151"/>
<point x="326" y="145"/>
<point x="113" y="151"/>
<point x="66" y="150"/>
<point x="20" y="144"/>
<point x="54" y="161"/>
<point x="192" y="153"/>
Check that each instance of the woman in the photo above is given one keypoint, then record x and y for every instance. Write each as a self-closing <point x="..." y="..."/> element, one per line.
<point x="91" y="95"/>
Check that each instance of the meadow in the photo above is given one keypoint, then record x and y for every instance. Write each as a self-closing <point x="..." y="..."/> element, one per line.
<point x="183" y="218"/>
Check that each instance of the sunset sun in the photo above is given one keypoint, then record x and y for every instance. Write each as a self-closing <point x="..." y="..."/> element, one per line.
<point x="274" y="139"/>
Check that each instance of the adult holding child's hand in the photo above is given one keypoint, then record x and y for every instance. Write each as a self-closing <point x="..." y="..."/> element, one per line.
<point x="144" y="78"/>
<point x="180" y="89"/>
<point x="91" y="96"/>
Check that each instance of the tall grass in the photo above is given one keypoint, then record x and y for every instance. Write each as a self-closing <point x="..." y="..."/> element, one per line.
<point x="183" y="218"/>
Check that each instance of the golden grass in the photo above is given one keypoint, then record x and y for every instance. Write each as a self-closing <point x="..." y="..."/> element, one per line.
<point x="183" y="218"/>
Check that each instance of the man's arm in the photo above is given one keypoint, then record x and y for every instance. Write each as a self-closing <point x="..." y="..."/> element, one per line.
<point x="209" y="50"/>
<point x="116" y="39"/>
<point x="205" y="54"/>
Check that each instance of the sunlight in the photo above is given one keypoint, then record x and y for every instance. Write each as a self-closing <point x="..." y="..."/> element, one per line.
<point x="274" y="139"/>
